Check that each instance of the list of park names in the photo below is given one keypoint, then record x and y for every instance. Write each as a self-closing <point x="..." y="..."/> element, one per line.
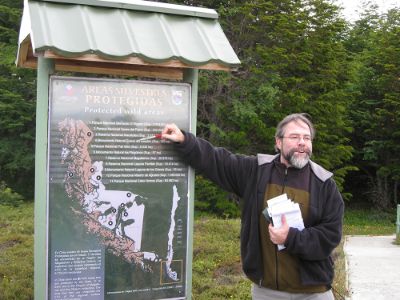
<point x="129" y="159"/>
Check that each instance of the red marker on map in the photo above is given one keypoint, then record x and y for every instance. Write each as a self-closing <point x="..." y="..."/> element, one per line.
<point x="156" y="136"/>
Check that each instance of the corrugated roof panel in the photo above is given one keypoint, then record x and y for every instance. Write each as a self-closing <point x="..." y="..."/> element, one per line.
<point x="59" y="26"/>
<point x="111" y="37"/>
<point x="72" y="30"/>
<point x="186" y="40"/>
<point x="213" y="34"/>
<point x="150" y="37"/>
<point x="149" y="6"/>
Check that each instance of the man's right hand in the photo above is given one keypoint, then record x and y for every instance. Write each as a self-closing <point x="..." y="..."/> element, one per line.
<point x="172" y="133"/>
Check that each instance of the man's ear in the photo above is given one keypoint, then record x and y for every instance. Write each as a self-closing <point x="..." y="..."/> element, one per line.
<point x="278" y="143"/>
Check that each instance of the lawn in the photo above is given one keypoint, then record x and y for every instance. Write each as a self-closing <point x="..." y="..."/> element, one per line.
<point x="16" y="252"/>
<point x="217" y="270"/>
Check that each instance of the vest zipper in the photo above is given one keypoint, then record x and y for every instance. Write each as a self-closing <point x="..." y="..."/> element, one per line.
<point x="284" y="181"/>
<point x="276" y="268"/>
<point x="276" y="247"/>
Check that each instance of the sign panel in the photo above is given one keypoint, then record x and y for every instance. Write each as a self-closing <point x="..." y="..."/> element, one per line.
<point x="117" y="195"/>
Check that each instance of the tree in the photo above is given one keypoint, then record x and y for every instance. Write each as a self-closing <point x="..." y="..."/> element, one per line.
<point x="293" y="60"/>
<point x="376" y="110"/>
<point x="17" y="107"/>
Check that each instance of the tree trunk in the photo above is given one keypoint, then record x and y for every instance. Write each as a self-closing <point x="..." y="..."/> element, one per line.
<point x="382" y="195"/>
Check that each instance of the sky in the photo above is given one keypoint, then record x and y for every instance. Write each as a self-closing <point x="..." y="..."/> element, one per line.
<point x="352" y="8"/>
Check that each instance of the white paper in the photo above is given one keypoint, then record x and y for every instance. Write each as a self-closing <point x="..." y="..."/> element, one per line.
<point x="281" y="205"/>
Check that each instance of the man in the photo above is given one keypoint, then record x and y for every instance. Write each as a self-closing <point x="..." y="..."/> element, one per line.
<point x="304" y="269"/>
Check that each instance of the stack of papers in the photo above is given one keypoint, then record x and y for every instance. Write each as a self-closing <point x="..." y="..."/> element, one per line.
<point x="282" y="205"/>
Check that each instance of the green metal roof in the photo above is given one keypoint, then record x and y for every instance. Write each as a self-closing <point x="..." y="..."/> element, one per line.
<point x="149" y="6"/>
<point x="115" y="30"/>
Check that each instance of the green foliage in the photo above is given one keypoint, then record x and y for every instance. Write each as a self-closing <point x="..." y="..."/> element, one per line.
<point x="211" y="199"/>
<point x="376" y="109"/>
<point x="293" y="60"/>
<point x="369" y="222"/>
<point x="17" y="107"/>
<point x="297" y="56"/>
<point x="8" y="197"/>
<point x="16" y="252"/>
<point x="217" y="271"/>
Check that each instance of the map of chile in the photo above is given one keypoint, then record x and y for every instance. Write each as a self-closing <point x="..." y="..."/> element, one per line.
<point x="120" y="211"/>
<point x="114" y="216"/>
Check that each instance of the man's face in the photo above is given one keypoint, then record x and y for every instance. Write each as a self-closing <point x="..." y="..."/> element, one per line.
<point x="296" y="144"/>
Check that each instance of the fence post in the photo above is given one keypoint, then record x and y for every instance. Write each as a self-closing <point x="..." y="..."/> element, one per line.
<point x="398" y="223"/>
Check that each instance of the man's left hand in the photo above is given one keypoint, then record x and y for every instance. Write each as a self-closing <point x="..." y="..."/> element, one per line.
<point x="279" y="235"/>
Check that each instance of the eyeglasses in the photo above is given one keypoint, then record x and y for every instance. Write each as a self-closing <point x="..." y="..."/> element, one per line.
<point x="298" y="137"/>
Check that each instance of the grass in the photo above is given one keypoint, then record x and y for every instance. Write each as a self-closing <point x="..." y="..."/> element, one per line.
<point x="216" y="265"/>
<point x="217" y="272"/>
<point x="16" y="252"/>
<point x="369" y="222"/>
<point x="339" y="284"/>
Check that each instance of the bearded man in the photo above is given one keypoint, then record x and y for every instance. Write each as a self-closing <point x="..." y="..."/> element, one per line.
<point x="304" y="268"/>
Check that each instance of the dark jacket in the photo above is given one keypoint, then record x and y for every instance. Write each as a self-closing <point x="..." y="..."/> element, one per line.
<point x="247" y="176"/>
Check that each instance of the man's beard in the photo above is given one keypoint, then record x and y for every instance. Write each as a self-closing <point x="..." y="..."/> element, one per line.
<point x="297" y="161"/>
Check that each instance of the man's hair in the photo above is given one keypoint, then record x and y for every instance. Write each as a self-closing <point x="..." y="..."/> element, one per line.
<point x="303" y="117"/>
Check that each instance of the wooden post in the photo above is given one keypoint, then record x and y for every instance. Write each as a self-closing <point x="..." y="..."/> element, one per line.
<point x="191" y="76"/>
<point x="45" y="68"/>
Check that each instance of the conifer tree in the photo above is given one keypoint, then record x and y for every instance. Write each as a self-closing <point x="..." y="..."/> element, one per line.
<point x="293" y="60"/>
<point x="17" y="106"/>
<point x="376" y="110"/>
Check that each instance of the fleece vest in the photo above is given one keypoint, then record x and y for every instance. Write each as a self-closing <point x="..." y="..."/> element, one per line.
<point x="281" y="269"/>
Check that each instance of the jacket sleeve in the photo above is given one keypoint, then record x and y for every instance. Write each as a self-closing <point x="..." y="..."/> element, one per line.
<point x="228" y="170"/>
<point x="317" y="241"/>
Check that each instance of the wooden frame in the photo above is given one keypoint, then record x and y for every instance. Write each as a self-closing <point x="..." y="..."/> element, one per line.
<point x="172" y="69"/>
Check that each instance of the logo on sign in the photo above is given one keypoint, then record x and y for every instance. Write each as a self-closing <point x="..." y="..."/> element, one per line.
<point x="67" y="95"/>
<point x="177" y="97"/>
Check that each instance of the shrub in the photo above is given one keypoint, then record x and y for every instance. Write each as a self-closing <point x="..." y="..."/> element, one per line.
<point x="210" y="199"/>
<point x="9" y="197"/>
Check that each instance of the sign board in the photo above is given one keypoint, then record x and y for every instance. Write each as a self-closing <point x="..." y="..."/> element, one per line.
<point x="117" y="203"/>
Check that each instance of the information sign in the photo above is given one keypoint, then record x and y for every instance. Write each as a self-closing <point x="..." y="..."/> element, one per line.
<point x="117" y="194"/>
